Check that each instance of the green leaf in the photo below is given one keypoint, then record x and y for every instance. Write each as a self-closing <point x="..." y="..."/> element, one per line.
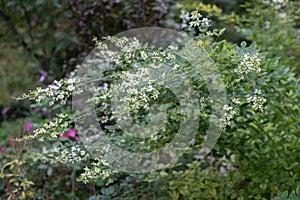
<point x="243" y="44"/>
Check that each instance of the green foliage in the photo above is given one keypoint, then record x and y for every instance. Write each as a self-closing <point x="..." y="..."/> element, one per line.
<point x="264" y="146"/>
<point x="257" y="155"/>
<point x="286" y="196"/>
<point x="275" y="30"/>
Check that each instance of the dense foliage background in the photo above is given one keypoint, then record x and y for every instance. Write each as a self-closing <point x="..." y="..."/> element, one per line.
<point x="42" y="41"/>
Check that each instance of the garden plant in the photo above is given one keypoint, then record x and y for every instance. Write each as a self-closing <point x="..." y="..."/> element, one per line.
<point x="206" y="108"/>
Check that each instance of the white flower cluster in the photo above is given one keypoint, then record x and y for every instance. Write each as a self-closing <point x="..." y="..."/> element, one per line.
<point x="277" y="4"/>
<point x="58" y="91"/>
<point x="230" y="113"/>
<point x="126" y="45"/>
<point x="97" y="171"/>
<point x="197" y="22"/>
<point x="51" y="129"/>
<point x="135" y="86"/>
<point x="249" y="63"/>
<point x="193" y="19"/>
<point x="62" y="155"/>
<point x="138" y="92"/>
<point x="257" y="101"/>
<point x="75" y="154"/>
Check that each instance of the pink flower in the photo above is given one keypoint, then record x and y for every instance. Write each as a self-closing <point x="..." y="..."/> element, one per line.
<point x="2" y="149"/>
<point x="70" y="134"/>
<point x="5" y="110"/>
<point x="29" y="126"/>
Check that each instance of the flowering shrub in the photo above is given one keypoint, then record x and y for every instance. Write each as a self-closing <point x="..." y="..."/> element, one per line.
<point x="255" y="156"/>
<point x="276" y="18"/>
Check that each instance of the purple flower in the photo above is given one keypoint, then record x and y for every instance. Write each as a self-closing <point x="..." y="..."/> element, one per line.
<point x="44" y="74"/>
<point x="42" y="78"/>
<point x="5" y="110"/>
<point x="36" y="109"/>
<point x="45" y="112"/>
<point x="2" y="149"/>
<point x="29" y="126"/>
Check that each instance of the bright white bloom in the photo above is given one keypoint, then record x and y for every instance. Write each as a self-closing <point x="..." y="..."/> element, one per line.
<point x="195" y="23"/>
<point x="236" y="100"/>
<point x="227" y="108"/>
<point x="257" y="102"/>
<point x="205" y="22"/>
<point x="59" y="91"/>
<point x="66" y="155"/>
<point x="195" y="15"/>
<point x="97" y="171"/>
<point x="229" y="114"/>
<point x="257" y="91"/>
<point x="249" y="63"/>
<point x="51" y="129"/>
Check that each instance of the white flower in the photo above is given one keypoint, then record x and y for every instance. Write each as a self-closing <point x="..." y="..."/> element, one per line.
<point x="257" y="91"/>
<point x="195" y="23"/>
<point x="176" y="66"/>
<point x="144" y="55"/>
<point x="226" y="107"/>
<point x="248" y="64"/>
<point x="184" y="15"/>
<point x="236" y="100"/>
<point x="195" y="15"/>
<point x="256" y="101"/>
<point x="205" y="23"/>
<point x="71" y="81"/>
<point x="229" y="114"/>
